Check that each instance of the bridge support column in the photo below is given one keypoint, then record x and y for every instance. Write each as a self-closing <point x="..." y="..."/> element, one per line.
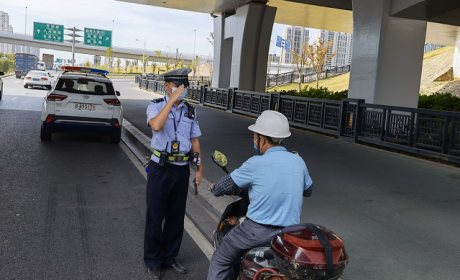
<point x="387" y="58"/>
<point x="457" y="63"/>
<point x="241" y="46"/>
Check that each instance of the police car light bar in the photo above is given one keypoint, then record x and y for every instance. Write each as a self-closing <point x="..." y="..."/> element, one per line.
<point x="85" y="70"/>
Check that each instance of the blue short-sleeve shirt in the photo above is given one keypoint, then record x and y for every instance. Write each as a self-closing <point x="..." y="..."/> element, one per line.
<point x="276" y="181"/>
<point x="186" y="128"/>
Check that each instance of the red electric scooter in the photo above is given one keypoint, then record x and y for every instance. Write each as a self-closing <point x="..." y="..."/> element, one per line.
<point x="304" y="251"/>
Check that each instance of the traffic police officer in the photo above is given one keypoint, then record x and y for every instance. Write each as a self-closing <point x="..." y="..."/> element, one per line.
<point x="175" y="133"/>
<point x="276" y="180"/>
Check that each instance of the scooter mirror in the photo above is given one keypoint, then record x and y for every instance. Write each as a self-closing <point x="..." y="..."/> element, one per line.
<point x="219" y="158"/>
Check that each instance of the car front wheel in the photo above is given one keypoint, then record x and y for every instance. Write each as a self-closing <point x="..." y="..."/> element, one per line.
<point x="44" y="135"/>
<point x="26" y="86"/>
<point x="115" y="139"/>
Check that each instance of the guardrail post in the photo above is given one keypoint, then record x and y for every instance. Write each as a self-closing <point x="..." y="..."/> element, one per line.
<point x="445" y="135"/>
<point x="231" y="99"/>
<point x="350" y="124"/>
<point x="202" y="94"/>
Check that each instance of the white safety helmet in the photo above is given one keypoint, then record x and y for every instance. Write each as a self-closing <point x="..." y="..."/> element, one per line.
<point x="272" y="124"/>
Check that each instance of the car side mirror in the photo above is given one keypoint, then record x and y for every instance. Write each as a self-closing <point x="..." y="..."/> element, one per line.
<point x="2" y="74"/>
<point x="118" y="93"/>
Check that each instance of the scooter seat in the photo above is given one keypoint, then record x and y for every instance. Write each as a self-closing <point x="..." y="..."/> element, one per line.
<point x="262" y="256"/>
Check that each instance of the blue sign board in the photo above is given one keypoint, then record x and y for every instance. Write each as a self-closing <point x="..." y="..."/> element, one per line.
<point x="279" y="41"/>
<point x="287" y="45"/>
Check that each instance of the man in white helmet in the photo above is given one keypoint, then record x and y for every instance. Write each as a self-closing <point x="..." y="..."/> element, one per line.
<point x="276" y="180"/>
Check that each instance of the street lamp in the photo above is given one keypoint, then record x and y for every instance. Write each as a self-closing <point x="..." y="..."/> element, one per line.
<point x="143" y="58"/>
<point x="25" y="25"/>
<point x="194" y="45"/>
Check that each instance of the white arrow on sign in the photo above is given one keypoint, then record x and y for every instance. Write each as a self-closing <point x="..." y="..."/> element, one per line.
<point x="38" y="31"/>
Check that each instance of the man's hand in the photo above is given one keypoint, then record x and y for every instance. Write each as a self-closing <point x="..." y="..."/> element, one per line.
<point x="198" y="177"/>
<point x="174" y="96"/>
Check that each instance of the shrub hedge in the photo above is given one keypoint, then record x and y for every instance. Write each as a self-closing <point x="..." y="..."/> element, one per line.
<point x="6" y="65"/>
<point x="437" y="101"/>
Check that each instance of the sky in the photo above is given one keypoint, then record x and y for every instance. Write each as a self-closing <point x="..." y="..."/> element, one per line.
<point x="161" y="28"/>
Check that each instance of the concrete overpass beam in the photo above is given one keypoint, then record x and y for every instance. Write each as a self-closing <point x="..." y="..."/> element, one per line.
<point x="241" y="45"/>
<point x="457" y="63"/>
<point x="387" y="55"/>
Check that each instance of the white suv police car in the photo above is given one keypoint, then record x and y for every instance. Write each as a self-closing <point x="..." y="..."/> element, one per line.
<point x="82" y="99"/>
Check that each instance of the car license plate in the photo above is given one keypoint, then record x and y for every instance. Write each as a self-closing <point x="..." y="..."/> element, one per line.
<point x="36" y="80"/>
<point x="85" y="106"/>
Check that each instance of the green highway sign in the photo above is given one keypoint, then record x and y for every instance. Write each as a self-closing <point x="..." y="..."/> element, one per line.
<point x="48" y="32"/>
<point x="97" y="37"/>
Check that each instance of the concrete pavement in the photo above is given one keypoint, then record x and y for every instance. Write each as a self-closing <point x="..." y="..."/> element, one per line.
<point x="397" y="215"/>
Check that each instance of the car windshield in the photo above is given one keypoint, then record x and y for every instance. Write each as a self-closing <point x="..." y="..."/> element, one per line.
<point x="37" y="73"/>
<point x="85" y="86"/>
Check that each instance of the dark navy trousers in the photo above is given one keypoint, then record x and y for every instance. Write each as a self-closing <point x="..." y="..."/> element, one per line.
<point x="167" y="189"/>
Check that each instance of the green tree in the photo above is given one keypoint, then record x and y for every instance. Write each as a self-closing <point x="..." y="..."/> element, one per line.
<point x="144" y="59"/>
<point x="181" y="64"/>
<point x="118" y="65"/>
<point x="168" y="65"/>
<point x="109" y="58"/>
<point x="300" y="59"/>
<point x="194" y="65"/>
<point x="154" y="67"/>
<point x="127" y="63"/>
<point x="318" y="56"/>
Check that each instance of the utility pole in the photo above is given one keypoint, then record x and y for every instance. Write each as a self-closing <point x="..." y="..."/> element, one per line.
<point x="73" y="35"/>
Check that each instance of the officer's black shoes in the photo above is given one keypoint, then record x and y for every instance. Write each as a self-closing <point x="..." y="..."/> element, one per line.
<point x="153" y="272"/>
<point x="178" y="268"/>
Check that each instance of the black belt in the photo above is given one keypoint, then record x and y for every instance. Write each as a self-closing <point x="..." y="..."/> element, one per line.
<point x="268" y="226"/>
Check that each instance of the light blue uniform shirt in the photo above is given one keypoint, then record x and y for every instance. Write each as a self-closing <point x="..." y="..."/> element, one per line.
<point x="186" y="128"/>
<point x="276" y="181"/>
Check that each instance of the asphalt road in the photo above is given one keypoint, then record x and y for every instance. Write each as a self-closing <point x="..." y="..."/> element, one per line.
<point x="398" y="215"/>
<point x="73" y="207"/>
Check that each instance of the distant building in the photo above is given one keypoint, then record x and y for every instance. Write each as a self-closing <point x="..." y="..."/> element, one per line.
<point x="296" y="35"/>
<point x="6" y="27"/>
<point x="27" y="49"/>
<point x="273" y="58"/>
<point x="341" y="43"/>
<point x="432" y="47"/>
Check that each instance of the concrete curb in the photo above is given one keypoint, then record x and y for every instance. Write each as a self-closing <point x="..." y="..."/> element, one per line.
<point x="213" y="206"/>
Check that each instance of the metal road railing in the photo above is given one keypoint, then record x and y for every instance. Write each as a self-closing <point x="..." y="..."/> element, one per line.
<point x="308" y="77"/>
<point x="425" y="132"/>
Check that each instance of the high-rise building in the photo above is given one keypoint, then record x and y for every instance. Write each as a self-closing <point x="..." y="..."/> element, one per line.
<point x="342" y="43"/>
<point x="5" y="27"/>
<point x="296" y="35"/>
<point x="27" y="49"/>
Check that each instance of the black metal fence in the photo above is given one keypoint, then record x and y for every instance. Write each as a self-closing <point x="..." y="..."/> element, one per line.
<point x="307" y="77"/>
<point x="426" y="132"/>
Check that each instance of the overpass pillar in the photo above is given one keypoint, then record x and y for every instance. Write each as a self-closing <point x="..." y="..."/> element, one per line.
<point x="457" y="63"/>
<point x="387" y="56"/>
<point x="241" y="46"/>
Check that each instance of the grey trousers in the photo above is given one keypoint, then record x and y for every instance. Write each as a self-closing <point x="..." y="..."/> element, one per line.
<point x="241" y="238"/>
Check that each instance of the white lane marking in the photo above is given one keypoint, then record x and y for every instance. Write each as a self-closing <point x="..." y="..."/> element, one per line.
<point x="199" y="238"/>
<point x="14" y="98"/>
<point x="191" y="229"/>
